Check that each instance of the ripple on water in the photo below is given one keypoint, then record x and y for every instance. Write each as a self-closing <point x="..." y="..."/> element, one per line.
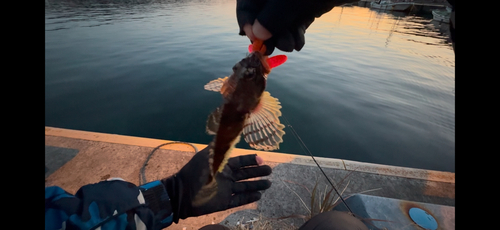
<point x="373" y="86"/>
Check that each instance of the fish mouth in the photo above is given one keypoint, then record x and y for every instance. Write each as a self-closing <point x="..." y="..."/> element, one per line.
<point x="256" y="59"/>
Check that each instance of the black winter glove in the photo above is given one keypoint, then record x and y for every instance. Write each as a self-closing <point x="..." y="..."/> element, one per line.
<point x="287" y="20"/>
<point x="184" y="185"/>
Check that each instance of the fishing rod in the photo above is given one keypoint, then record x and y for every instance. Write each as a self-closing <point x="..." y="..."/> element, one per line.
<point x="296" y="135"/>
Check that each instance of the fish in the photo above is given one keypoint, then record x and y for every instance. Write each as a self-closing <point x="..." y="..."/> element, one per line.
<point x="247" y="109"/>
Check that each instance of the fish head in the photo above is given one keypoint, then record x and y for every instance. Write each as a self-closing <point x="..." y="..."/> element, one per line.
<point x="250" y="75"/>
<point x="255" y="63"/>
<point x="252" y="71"/>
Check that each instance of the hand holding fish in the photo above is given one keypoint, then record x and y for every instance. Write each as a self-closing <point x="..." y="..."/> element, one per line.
<point x="280" y="23"/>
<point x="184" y="185"/>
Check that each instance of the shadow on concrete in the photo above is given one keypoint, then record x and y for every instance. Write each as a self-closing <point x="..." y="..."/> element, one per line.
<point x="285" y="205"/>
<point x="56" y="157"/>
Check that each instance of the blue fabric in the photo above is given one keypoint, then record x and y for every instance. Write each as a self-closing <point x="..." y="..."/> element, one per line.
<point x="56" y="217"/>
<point x="150" y="184"/>
<point x="168" y="220"/>
<point x="108" y="204"/>
<point x="93" y="221"/>
<point x="55" y="193"/>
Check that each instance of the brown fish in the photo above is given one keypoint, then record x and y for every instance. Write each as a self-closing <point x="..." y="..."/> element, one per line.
<point x="247" y="109"/>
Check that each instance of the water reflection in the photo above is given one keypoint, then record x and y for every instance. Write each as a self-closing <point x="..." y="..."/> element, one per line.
<point x="414" y="25"/>
<point x="373" y="86"/>
<point x="67" y="14"/>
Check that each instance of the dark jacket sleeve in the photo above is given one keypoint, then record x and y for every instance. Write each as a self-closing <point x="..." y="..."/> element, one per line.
<point x="114" y="204"/>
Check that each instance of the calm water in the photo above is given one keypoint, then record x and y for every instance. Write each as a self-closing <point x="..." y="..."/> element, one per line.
<point x="368" y="86"/>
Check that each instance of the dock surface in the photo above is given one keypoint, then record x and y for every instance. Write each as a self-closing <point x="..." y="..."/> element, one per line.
<point x="75" y="158"/>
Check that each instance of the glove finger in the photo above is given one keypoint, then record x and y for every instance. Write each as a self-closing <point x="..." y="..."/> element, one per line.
<point x="305" y="23"/>
<point x="252" y="172"/>
<point x="298" y="37"/>
<point x="246" y="12"/>
<point x="250" y="186"/>
<point x="270" y="44"/>
<point x="236" y="163"/>
<point x="299" y="31"/>
<point x="285" y="42"/>
<point x="244" y="198"/>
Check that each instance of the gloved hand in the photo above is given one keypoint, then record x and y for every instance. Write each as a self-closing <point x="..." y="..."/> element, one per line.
<point x="184" y="185"/>
<point x="280" y="23"/>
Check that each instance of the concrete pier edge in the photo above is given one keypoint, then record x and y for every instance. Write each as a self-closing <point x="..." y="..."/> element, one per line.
<point x="423" y="174"/>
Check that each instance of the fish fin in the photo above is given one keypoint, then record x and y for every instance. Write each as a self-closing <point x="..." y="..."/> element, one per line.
<point x="229" y="86"/>
<point x="215" y="85"/>
<point x="263" y="130"/>
<point x="213" y="121"/>
<point x="273" y="61"/>
<point x="277" y="60"/>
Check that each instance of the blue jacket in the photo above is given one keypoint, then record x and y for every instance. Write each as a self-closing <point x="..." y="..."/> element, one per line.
<point x="112" y="204"/>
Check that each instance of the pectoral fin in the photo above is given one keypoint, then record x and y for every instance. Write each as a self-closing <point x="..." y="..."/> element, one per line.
<point x="224" y="85"/>
<point x="213" y="121"/>
<point x="263" y="129"/>
<point x="215" y="85"/>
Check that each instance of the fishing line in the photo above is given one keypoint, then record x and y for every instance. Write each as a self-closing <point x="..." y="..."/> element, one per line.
<point x="142" y="180"/>
<point x="297" y="137"/>
<point x="142" y="175"/>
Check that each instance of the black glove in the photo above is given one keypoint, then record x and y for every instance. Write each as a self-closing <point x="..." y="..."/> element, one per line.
<point x="287" y="20"/>
<point x="184" y="185"/>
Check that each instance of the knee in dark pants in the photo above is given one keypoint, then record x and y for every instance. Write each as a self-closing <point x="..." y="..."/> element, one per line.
<point x="334" y="220"/>
<point x="214" y="227"/>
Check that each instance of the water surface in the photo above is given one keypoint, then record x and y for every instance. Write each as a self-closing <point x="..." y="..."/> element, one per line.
<point x="368" y="86"/>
